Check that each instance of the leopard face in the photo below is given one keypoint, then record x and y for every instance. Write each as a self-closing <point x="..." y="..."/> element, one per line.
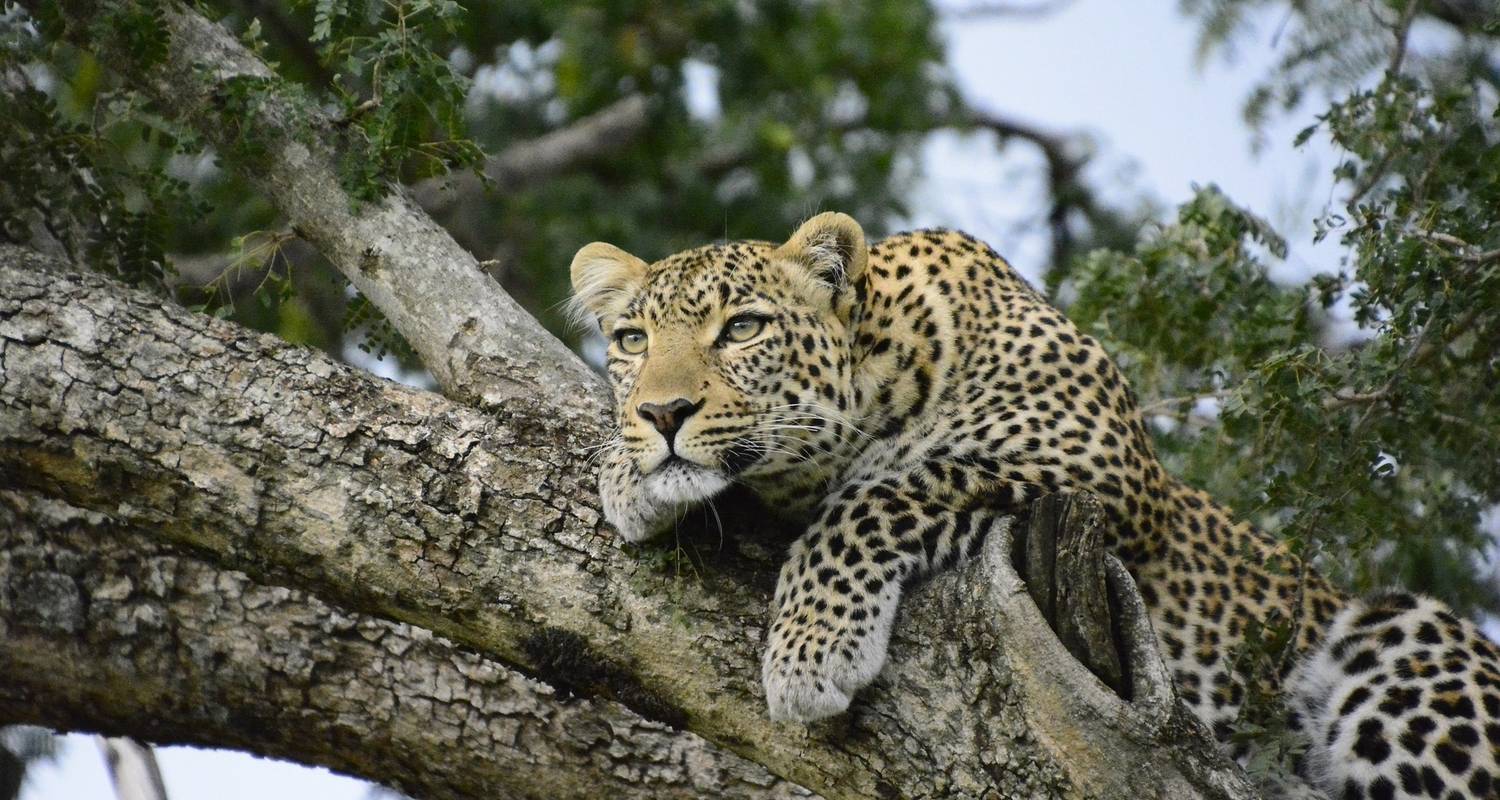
<point x="729" y="363"/>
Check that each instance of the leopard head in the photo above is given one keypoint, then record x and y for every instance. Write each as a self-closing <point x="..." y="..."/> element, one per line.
<point x="731" y="362"/>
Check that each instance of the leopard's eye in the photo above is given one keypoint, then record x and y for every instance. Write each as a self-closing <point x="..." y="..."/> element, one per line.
<point x="743" y="328"/>
<point x="631" y="340"/>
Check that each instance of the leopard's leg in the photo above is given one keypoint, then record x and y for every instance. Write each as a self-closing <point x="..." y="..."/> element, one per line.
<point x="838" y="592"/>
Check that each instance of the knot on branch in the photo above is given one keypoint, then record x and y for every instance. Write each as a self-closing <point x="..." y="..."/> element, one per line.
<point x="1060" y="553"/>
<point x="1088" y="598"/>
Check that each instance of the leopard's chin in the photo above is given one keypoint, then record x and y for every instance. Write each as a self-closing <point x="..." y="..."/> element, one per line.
<point x="679" y="482"/>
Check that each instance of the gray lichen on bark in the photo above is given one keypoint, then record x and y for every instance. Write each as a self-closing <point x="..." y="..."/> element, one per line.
<point x="174" y="649"/>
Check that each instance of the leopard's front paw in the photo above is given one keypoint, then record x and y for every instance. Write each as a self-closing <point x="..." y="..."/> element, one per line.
<point x="815" y="660"/>
<point x="800" y="695"/>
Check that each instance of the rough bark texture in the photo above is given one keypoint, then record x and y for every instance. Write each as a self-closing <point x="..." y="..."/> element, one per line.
<point x="1066" y="575"/>
<point x="107" y="629"/>
<point x="252" y="456"/>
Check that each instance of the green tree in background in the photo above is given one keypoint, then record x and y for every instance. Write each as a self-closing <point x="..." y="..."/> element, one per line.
<point x="1376" y="448"/>
<point x="1372" y="450"/>
<point x="815" y="106"/>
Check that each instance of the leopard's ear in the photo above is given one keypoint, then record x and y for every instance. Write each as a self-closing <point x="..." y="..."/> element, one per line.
<point x="604" y="279"/>
<point x="832" y="248"/>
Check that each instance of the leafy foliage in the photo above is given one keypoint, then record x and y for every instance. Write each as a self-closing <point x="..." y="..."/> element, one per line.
<point x="402" y="103"/>
<point x="1370" y="450"/>
<point x="762" y="114"/>
<point x="91" y="180"/>
<point x="1377" y="452"/>
<point x="759" y="115"/>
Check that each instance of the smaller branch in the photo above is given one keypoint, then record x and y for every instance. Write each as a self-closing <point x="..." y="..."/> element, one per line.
<point x="524" y="163"/>
<point x="481" y="347"/>
<point x="1167" y="405"/>
<point x="1008" y="10"/>
<point x="1470" y="424"/>
<point x="358" y="111"/>
<point x="1422" y="349"/>
<point x="1417" y="353"/>
<point x="1402" y="32"/>
<point x="1348" y="397"/>
<point x="1467" y="252"/>
<point x="1371" y="178"/>
<point x="132" y="769"/>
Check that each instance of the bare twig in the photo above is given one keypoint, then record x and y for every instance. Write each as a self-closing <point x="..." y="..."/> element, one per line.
<point x="1348" y="397"/>
<point x="1007" y="10"/>
<point x="599" y="134"/>
<point x="358" y="111"/>
<point x="1402" y="32"/>
<point x="1467" y="252"/>
<point x="1167" y="405"/>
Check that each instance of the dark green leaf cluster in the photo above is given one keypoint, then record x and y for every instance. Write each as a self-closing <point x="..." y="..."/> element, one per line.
<point x="811" y="106"/>
<point x="401" y="102"/>
<point x="88" y="176"/>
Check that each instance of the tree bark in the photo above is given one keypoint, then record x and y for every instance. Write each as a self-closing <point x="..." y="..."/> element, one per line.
<point x="107" y="629"/>
<point x="132" y="769"/>
<point x="370" y="501"/>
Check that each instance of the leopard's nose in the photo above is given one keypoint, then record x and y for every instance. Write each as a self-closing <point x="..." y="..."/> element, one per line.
<point x="668" y="417"/>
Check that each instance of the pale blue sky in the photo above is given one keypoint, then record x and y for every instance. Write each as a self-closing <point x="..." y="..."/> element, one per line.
<point x="1124" y="75"/>
<point x="1123" y="72"/>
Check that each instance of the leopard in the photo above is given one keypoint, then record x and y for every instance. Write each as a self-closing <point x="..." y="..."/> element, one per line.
<point x="896" y="397"/>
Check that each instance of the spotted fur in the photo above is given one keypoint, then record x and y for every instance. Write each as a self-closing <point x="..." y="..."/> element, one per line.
<point x="895" y="398"/>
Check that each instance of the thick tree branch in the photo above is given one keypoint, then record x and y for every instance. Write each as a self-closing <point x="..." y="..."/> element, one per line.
<point x="253" y="456"/>
<point x="113" y="631"/>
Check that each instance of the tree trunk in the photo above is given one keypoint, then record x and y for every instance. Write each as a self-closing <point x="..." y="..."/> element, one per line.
<point x="219" y="538"/>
